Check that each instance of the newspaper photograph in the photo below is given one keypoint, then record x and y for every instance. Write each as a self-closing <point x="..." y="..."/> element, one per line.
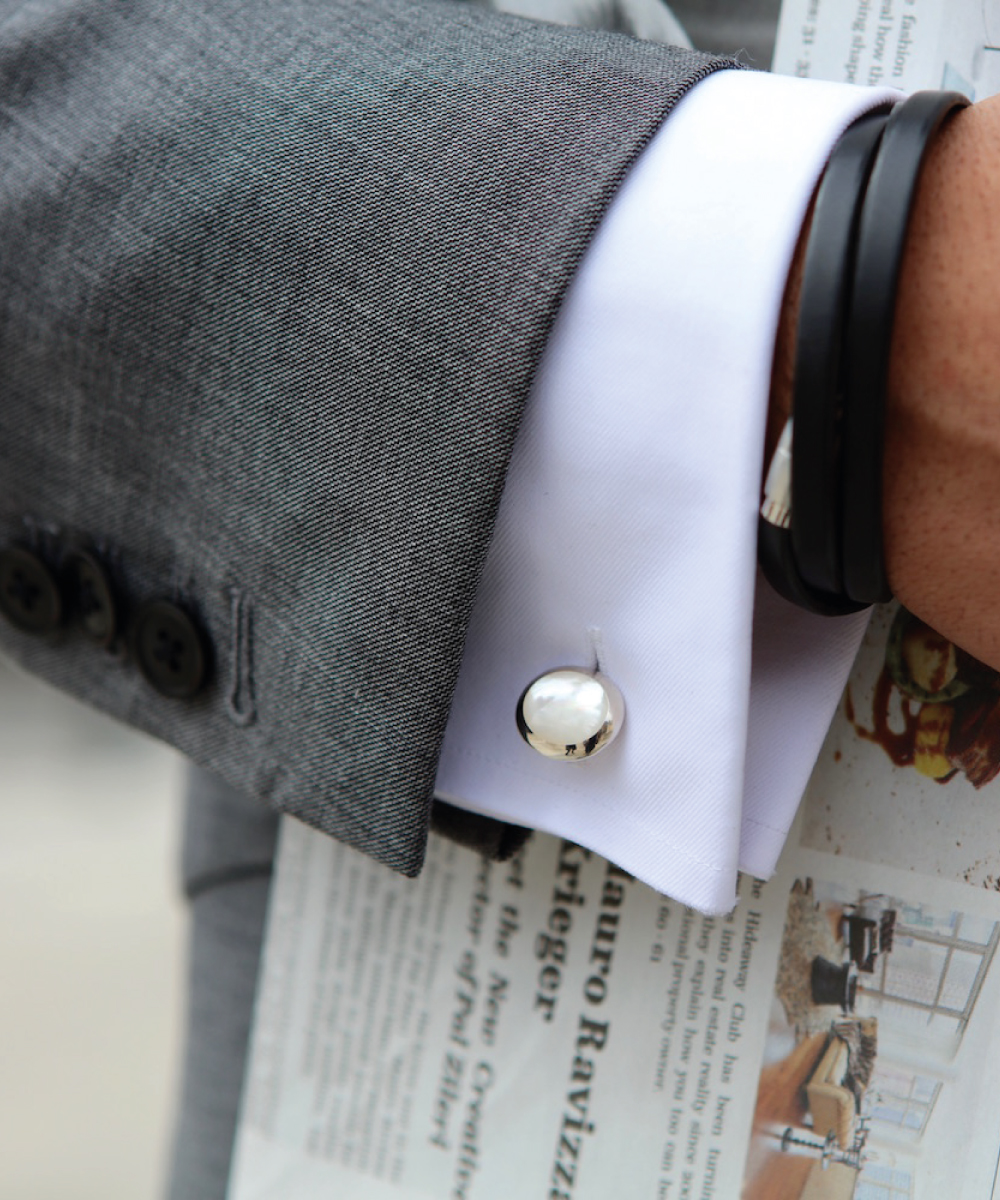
<point x="882" y="1040"/>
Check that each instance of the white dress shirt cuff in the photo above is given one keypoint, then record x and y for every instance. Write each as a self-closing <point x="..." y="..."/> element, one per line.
<point x="626" y="534"/>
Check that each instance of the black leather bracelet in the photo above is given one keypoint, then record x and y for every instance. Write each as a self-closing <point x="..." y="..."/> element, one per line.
<point x="774" y="556"/>
<point x="818" y="372"/>
<point x="868" y="340"/>
<point x="774" y="543"/>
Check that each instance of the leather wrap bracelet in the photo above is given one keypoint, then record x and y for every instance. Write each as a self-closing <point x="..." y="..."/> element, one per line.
<point x="783" y="526"/>
<point x="774" y="543"/>
<point x="817" y="392"/>
<point x="881" y="241"/>
<point x="820" y="525"/>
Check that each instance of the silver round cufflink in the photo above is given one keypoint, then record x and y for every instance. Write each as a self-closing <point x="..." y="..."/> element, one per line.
<point x="570" y="714"/>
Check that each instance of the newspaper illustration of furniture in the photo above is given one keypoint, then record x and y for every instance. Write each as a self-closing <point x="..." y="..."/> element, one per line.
<point x="867" y="933"/>
<point x="837" y="1182"/>
<point x="833" y="983"/>
<point x="873" y="998"/>
<point x="836" y="1088"/>
<point x="834" y="1175"/>
<point x="831" y="1104"/>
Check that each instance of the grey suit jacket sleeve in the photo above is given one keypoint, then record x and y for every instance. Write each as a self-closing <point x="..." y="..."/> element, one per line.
<point x="274" y="278"/>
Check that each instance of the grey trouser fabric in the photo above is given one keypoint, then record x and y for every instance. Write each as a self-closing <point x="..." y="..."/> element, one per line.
<point x="742" y="27"/>
<point x="227" y="924"/>
<point x="228" y="850"/>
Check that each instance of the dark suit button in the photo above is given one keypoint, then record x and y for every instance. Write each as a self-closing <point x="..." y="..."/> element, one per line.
<point x="93" y="598"/>
<point x="170" y="650"/>
<point x="29" y="594"/>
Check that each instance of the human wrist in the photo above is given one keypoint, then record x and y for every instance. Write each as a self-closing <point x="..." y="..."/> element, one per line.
<point x="942" y="454"/>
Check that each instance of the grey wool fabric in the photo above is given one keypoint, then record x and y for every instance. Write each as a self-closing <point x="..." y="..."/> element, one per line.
<point x="274" y="279"/>
<point x="227" y="852"/>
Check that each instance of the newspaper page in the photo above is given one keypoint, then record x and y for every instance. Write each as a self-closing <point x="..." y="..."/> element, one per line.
<point x="546" y="1027"/>
<point x="883" y="1043"/>
<point x="549" y="1027"/>
<point x="908" y="44"/>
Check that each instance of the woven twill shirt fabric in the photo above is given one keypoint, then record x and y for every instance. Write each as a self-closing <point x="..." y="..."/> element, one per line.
<point x="274" y="278"/>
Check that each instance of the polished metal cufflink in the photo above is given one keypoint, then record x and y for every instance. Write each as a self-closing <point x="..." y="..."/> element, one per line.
<point x="570" y="714"/>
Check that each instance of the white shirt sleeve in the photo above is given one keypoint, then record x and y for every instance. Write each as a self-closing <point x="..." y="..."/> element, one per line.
<point x="626" y="537"/>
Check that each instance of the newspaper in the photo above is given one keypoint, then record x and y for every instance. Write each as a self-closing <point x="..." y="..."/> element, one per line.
<point x="907" y="44"/>
<point x="551" y="1028"/>
<point x="548" y="1027"/>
